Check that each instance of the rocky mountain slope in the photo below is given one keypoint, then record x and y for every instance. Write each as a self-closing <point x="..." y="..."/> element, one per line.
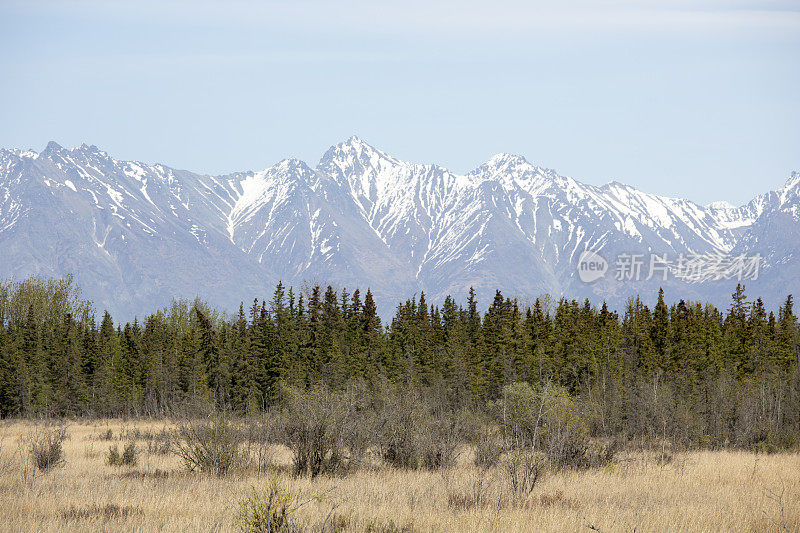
<point x="137" y="235"/>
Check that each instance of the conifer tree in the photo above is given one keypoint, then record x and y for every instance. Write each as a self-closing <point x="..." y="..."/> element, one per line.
<point x="660" y="337"/>
<point x="68" y="383"/>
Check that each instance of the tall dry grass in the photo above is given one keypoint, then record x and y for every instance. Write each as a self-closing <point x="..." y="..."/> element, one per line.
<point x="696" y="491"/>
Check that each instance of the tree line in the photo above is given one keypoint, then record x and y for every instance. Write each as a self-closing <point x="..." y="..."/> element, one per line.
<point x="688" y="371"/>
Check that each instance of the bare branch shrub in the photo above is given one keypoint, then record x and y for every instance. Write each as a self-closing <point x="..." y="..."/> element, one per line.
<point x="438" y="440"/>
<point x="359" y="425"/>
<point x="159" y="443"/>
<point x="488" y="446"/>
<point x="211" y="446"/>
<point x="45" y="446"/>
<point x="259" y="434"/>
<point x="545" y="428"/>
<point x="417" y="431"/>
<point x="399" y="418"/>
<point x="270" y="511"/>
<point x="328" y="432"/>
<point x="312" y="421"/>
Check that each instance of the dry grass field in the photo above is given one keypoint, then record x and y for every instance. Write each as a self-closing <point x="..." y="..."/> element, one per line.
<point x="695" y="491"/>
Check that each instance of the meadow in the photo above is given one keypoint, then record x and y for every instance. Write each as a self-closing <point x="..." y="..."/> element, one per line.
<point x="640" y="490"/>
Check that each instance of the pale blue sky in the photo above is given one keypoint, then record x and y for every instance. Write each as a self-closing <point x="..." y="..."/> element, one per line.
<point x="693" y="99"/>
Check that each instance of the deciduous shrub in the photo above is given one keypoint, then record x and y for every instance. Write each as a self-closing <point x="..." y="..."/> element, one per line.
<point x="416" y="431"/>
<point x="127" y="458"/>
<point x="114" y="458"/>
<point x="159" y="443"/>
<point x="488" y="448"/>
<point x="45" y="446"/>
<point x="523" y="468"/>
<point x="548" y="424"/>
<point x="211" y="446"/>
<point x="312" y="429"/>
<point x="270" y="511"/>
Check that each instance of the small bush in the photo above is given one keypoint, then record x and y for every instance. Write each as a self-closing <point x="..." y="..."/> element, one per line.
<point x="488" y="449"/>
<point x="129" y="455"/>
<point x="439" y="442"/>
<point x="114" y="458"/>
<point x="212" y="447"/>
<point x="131" y="434"/>
<point x="399" y="424"/>
<point x="417" y="432"/>
<point x="45" y="447"/>
<point x="601" y="453"/>
<point x="159" y="443"/>
<point x="523" y="469"/>
<point x="127" y="458"/>
<point x="312" y="429"/>
<point x="269" y="512"/>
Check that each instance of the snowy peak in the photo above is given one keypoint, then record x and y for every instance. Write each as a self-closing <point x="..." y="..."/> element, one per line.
<point x="518" y="176"/>
<point x="791" y="189"/>
<point x="360" y="217"/>
<point x="355" y="155"/>
<point x="51" y="148"/>
<point x="506" y="165"/>
<point x="790" y="196"/>
<point x="793" y="181"/>
<point x="506" y="161"/>
<point x="721" y="205"/>
<point x="56" y="152"/>
<point x="292" y="169"/>
<point x="367" y="171"/>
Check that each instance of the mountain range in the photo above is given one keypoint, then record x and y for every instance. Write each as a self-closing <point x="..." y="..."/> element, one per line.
<point x="136" y="235"/>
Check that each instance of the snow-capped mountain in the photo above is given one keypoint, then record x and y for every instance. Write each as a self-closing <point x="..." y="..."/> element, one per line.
<point x="136" y="235"/>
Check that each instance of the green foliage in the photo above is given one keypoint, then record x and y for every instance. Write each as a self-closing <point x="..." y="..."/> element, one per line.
<point x="114" y="458"/>
<point x="684" y="371"/>
<point x="269" y="511"/>
<point x="128" y="457"/>
<point x="551" y="423"/>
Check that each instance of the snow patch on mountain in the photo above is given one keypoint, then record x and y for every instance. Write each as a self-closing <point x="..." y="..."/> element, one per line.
<point x="361" y="216"/>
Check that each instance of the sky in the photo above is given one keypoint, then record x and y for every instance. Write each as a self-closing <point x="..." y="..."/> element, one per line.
<point x="695" y="99"/>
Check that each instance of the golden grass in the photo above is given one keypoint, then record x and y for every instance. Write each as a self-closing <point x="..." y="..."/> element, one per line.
<point x="697" y="491"/>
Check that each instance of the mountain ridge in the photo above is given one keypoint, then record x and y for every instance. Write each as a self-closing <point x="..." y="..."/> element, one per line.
<point x="359" y="218"/>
